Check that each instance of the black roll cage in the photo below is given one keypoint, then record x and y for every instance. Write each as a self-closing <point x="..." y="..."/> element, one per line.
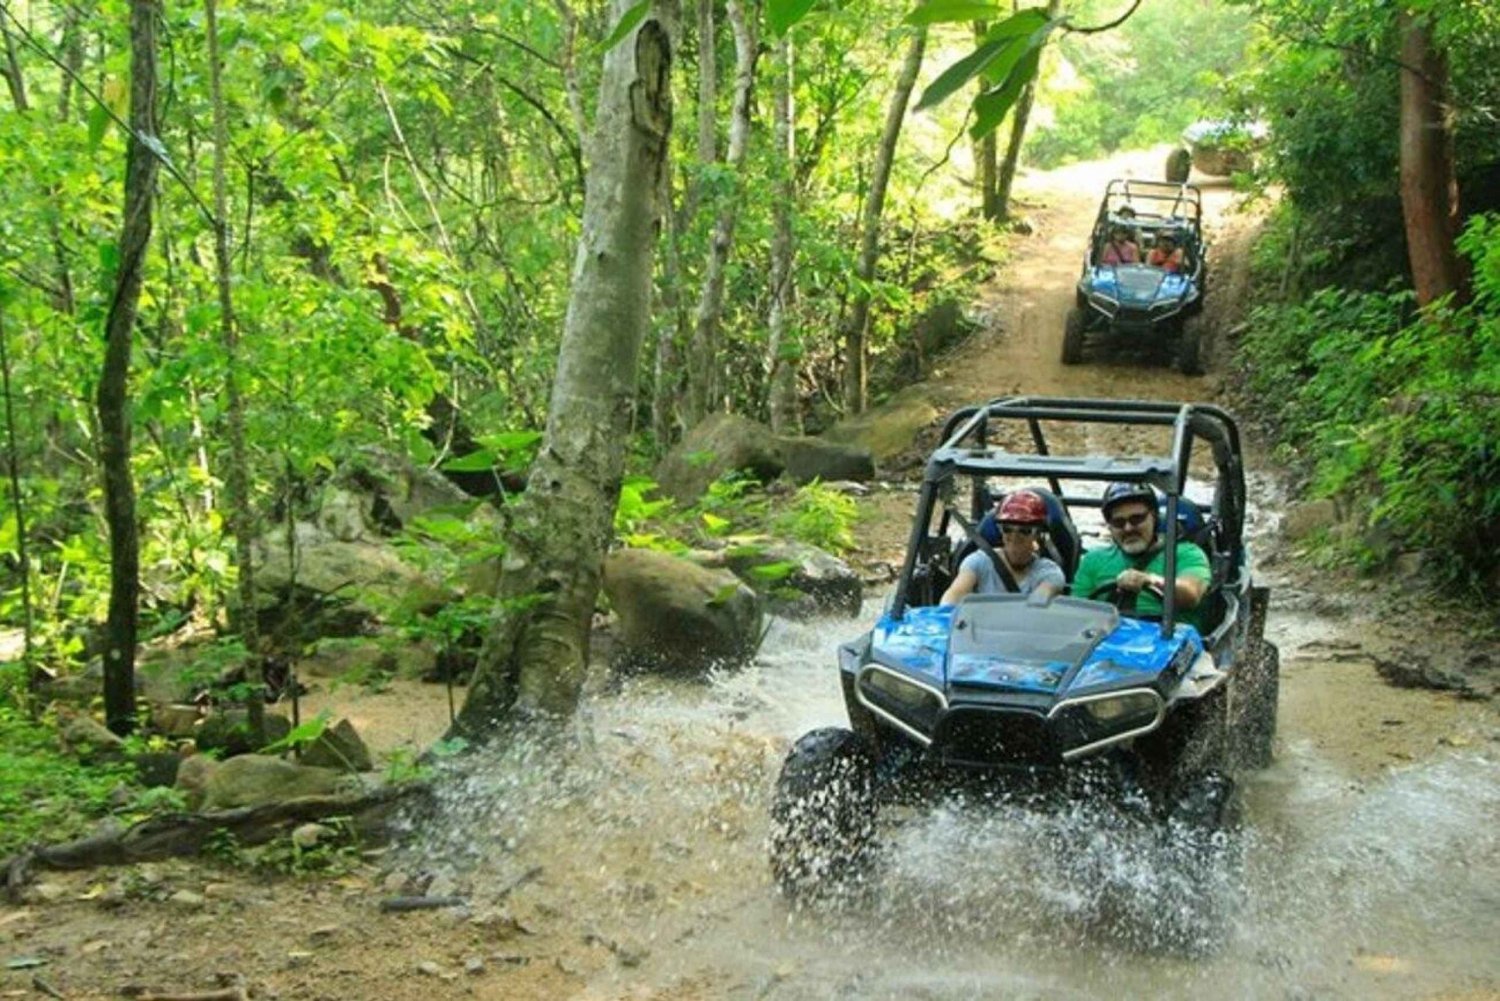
<point x="966" y="450"/>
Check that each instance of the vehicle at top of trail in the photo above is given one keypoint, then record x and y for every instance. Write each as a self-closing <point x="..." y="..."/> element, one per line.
<point x="1023" y="693"/>
<point x="1135" y="304"/>
<point x="1220" y="147"/>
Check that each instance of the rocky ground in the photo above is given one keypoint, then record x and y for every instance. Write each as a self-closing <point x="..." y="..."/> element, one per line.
<point x="650" y="881"/>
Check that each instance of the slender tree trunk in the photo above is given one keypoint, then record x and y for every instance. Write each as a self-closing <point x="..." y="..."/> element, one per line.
<point x="113" y="397"/>
<point x="535" y="656"/>
<point x="986" y="154"/>
<point x="708" y="102"/>
<point x="784" y="354"/>
<point x="666" y="380"/>
<point x="1429" y="187"/>
<point x="240" y="517"/>
<point x="18" y="502"/>
<point x="704" y="366"/>
<point x="13" y="76"/>
<point x="858" y="320"/>
<point x="1020" y="118"/>
<point x="570" y="75"/>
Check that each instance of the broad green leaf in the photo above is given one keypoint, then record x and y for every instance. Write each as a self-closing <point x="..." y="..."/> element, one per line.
<point x="944" y="11"/>
<point x="714" y="523"/>
<point x="770" y="572"/>
<point x="991" y="107"/>
<point x="507" y="442"/>
<point x="475" y="462"/>
<point x="98" y="125"/>
<point x="782" y="14"/>
<point x="628" y="23"/>
<point x="998" y="41"/>
<point x="723" y="594"/>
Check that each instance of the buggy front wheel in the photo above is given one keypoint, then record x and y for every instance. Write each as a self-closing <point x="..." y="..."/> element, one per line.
<point x="1072" y="346"/>
<point x="1190" y="348"/>
<point x="1179" y="166"/>
<point x="823" y="813"/>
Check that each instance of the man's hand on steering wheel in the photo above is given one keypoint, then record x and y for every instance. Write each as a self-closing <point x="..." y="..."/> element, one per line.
<point x="1124" y="589"/>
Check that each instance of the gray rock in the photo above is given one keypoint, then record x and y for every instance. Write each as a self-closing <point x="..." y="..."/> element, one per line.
<point x="1304" y="520"/>
<point x="339" y="746"/>
<point x="798" y="580"/>
<point x="678" y="617"/>
<point x="721" y="443"/>
<point x="89" y="740"/>
<point x="253" y="780"/>
<point x="809" y="459"/>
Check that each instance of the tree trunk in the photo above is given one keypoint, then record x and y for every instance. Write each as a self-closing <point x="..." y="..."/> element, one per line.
<point x="1429" y="187"/>
<point x="1020" y="117"/>
<point x="855" y="326"/>
<point x="239" y="462"/>
<point x="708" y="102"/>
<point x="13" y="77"/>
<point x="704" y="367"/>
<point x="570" y="75"/>
<point x="113" y="401"/>
<point x="18" y="503"/>
<point x="986" y="154"/>
<point x="783" y="353"/>
<point x="535" y="656"/>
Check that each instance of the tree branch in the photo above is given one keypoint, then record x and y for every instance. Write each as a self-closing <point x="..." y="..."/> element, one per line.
<point x="1104" y="27"/>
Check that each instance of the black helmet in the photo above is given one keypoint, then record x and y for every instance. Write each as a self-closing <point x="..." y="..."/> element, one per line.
<point x="1119" y="493"/>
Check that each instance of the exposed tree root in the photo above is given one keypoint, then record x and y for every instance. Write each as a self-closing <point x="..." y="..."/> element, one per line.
<point x="177" y="834"/>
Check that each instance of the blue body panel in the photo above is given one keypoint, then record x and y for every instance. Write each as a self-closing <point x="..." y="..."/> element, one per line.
<point x="1134" y="654"/>
<point x="1125" y="285"/>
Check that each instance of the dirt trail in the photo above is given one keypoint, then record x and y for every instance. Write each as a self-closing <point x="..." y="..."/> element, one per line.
<point x="641" y="872"/>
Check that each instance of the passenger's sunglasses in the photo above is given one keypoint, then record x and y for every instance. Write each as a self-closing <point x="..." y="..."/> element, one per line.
<point x="1029" y="531"/>
<point x="1131" y="520"/>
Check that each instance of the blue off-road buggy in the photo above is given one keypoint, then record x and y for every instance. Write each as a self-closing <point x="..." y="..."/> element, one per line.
<point x="1009" y="692"/>
<point x="1136" y="305"/>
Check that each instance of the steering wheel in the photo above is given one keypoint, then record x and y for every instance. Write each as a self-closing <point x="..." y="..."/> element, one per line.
<point x="1112" y="593"/>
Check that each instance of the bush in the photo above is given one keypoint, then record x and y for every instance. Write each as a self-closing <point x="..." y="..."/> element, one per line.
<point x="45" y="795"/>
<point x="1396" y="410"/>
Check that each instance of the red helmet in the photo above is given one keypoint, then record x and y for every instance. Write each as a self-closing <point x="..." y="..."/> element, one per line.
<point x="1024" y="508"/>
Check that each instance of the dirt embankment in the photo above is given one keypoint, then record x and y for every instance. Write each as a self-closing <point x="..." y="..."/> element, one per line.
<point x="609" y="901"/>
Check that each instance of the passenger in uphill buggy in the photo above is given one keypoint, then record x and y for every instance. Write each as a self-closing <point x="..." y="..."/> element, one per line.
<point x="1135" y="564"/>
<point x="1023" y="522"/>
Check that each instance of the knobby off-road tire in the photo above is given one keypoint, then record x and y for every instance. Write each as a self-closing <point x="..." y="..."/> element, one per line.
<point x="1259" y="690"/>
<point x="1072" y="345"/>
<point x="823" y="814"/>
<point x="1190" y="347"/>
<point x="1179" y="166"/>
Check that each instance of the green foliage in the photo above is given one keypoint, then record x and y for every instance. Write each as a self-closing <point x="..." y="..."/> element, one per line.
<point x="822" y="517"/>
<point x="305" y="733"/>
<point x="1140" y="84"/>
<point x="1396" y="411"/>
<point x="46" y="795"/>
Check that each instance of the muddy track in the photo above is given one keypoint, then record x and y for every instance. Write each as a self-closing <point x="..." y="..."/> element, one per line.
<point x="629" y="862"/>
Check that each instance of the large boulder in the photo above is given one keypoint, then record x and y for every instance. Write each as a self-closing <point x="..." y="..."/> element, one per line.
<point x="379" y="492"/>
<point x="721" y="443"/>
<point x="799" y="581"/>
<point x="809" y="459"/>
<point x="345" y="584"/>
<point x="254" y="780"/>
<point x="678" y="617"/>
<point x="889" y="429"/>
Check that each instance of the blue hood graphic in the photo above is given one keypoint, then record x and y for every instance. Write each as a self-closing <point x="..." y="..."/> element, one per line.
<point x="1138" y="284"/>
<point x="1004" y="644"/>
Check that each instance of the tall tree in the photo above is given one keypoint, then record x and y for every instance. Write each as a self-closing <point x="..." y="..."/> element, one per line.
<point x="534" y="658"/>
<point x="240" y="517"/>
<point x="986" y="154"/>
<point x="1019" y="119"/>
<point x="783" y="354"/>
<point x="857" y="323"/>
<point x="703" y="351"/>
<point x="1429" y="185"/>
<point x="113" y="393"/>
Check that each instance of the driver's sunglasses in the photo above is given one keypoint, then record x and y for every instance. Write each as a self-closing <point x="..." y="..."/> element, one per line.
<point x="1131" y="520"/>
<point x="1028" y="531"/>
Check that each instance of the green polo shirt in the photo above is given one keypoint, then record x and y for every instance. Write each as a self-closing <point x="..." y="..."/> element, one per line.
<point x="1101" y="566"/>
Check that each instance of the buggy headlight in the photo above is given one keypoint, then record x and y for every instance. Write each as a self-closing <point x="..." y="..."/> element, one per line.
<point x="1118" y="707"/>
<point x="912" y="707"/>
